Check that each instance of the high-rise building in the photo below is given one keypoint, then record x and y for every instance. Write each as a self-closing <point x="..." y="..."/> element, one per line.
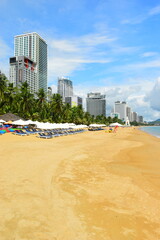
<point x="124" y="112"/>
<point x="140" y="119"/>
<point x="34" y="47"/>
<point x="120" y="107"/>
<point x="74" y="101"/>
<point x="23" y="69"/>
<point x="96" y="104"/>
<point x="134" y="117"/>
<point x="128" y="113"/>
<point x="65" y="88"/>
<point x="49" y="93"/>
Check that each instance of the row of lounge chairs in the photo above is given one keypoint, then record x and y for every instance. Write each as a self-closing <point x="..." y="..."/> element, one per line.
<point x="95" y="128"/>
<point x="20" y="133"/>
<point x="25" y="132"/>
<point x="48" y="134"/>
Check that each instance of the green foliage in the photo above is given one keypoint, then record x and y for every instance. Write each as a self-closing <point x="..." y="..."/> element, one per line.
<point x="22" y="102"/>
<point x="138" y="124"/>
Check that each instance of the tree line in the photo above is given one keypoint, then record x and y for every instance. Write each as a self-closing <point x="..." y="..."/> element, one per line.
<point x="43" y="108"/>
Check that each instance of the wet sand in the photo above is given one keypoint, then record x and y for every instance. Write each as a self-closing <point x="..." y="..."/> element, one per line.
<point x="89" y="186"/>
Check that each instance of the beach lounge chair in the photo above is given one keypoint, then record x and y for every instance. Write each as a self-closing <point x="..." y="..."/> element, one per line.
<point x="44" y="135"/>
<point x="20" y="133"/>
<point x="29" y="131"/>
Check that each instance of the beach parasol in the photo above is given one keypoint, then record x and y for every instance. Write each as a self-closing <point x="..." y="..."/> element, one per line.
<point x="97" y="125"/>
<point x="19" y="122"/>
<point x="2" y="121"/>
<point x="116" y="124"/>
<point x="29" y="122"/>
<point x="9" y="122"/>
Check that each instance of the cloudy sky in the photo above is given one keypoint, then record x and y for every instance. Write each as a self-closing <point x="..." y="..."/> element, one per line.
<point x="102" y="45"/>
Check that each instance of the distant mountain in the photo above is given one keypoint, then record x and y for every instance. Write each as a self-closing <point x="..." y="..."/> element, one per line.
<point x="156" y="122"/>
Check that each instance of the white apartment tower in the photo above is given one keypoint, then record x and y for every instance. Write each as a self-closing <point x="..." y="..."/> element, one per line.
<point x="96" y="104"/>
<point x="34" y="47"/>
<point x="121" y="107"/>
<point x="129" y="113"/>
<point x="124" y="112"/>
<point x="23" y="69"/>
<point x="65" y="88"/>
<point x="74" y="101"/>
<point x="134" y="117"/>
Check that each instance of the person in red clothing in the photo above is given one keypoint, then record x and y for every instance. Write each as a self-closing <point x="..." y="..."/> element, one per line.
<point x="115" y="129"/>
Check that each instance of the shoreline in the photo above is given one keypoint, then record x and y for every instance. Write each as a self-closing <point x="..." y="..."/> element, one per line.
<point x="89" y="186"/>
<point x="152" y="134"/>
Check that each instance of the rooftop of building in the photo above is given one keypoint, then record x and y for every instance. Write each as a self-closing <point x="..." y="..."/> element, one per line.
<point x="32" y="33"/>
<point x="119" y="102"/>
<point x="64" y="78"/>
<point x="95" y="95"/>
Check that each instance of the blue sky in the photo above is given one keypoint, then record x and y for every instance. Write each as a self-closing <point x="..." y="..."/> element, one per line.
<point x="101" y="45"/>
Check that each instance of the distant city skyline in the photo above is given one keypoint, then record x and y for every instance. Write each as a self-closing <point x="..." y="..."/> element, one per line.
<point x="105" y="46"/>
<point x="125" y="113"/>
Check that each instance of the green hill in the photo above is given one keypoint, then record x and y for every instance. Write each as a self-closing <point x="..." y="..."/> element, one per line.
<point x="156" y="122"/>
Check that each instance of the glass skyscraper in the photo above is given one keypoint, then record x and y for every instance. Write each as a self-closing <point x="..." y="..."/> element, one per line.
<point x="33" y="46"/>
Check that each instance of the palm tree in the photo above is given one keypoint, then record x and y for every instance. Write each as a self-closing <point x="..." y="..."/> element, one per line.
<point x="10" y="95"/>
<point x="3" y="84"/>
<point x="88" y="119"/>
<point x="3" y="87"/>
<point x="56" y="108"/>
<point x="41" y="97"/>
<point x="26" y="101"/>
<point x="66" y="112"/>
<point x="40" y="106"/>
<point x="75" y="115"/>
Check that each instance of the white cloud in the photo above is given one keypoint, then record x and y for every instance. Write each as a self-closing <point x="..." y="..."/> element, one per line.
<point x="54" y="88"/>
<point x="66" y="56"/>
<point x="150" y="64"/>
<point x="96" y="39"/>
<point x="149" y="54"/>
<point x="155" y="10"/>
<point x="4" y="49"/>
<point x="142" y="17"/>
<point x="139" y="97"/>
<point x="64" y="45"/>
<point x="5" y="53"/>
<point x="135" y="20"/>
<point x="134" y="95"/>
<point x="137" y="66"/>
<point x="117" y="49"/>
<point x="154" y="96"/>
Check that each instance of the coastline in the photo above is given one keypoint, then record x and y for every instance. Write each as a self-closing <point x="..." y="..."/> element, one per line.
<point x="90" y="186"/>
<point x="151" y="130"/>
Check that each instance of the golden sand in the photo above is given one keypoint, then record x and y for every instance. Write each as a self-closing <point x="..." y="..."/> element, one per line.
<point x="89" y="186"/>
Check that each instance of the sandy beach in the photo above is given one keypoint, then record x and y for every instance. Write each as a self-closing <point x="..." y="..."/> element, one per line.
<point x="89" y="186"/>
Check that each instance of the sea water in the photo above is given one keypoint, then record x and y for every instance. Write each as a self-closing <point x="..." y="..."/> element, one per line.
<point x="155" y="131"/>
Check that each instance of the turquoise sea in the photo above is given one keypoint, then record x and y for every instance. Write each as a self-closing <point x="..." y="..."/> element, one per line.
<point x="155" y="131"/>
